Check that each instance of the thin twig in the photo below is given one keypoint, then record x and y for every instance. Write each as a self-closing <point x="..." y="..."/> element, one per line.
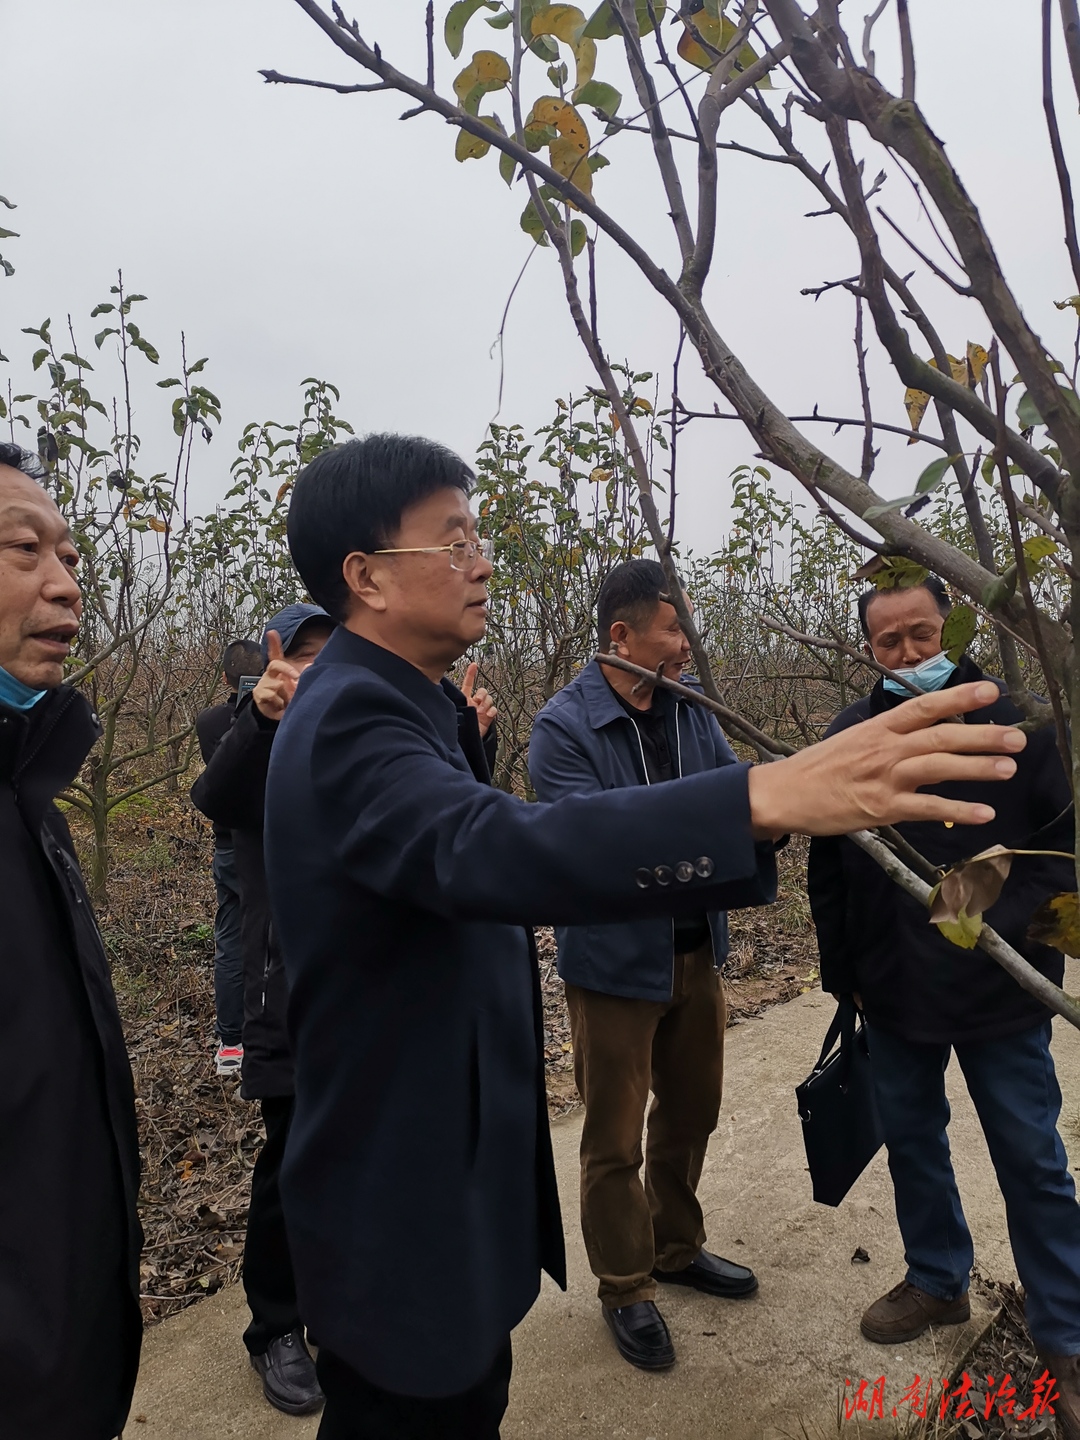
<point x="1064" y="179"/>
<point x="1034" y="618"/>
<point x="907" y="50"/>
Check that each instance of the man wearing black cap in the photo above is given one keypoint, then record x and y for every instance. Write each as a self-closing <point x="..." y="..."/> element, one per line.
<point x="231" y="792"/>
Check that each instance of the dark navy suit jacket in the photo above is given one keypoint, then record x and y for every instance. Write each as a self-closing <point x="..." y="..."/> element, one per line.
<point x="418" y="1182"/>
<point x="583" y="743"/>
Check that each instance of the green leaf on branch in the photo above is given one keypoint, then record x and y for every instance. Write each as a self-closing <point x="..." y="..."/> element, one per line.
<point x="897" y="572"/>
<point x="1057" y="923"/>
<point x="1000" y="591"/>
<point x="958" y="631"/>
<point x="40" y="356"/>
<point x="1037" y="549"/>
<point x="532" y="224"/>
<point x="503" y="21"/>
<point x="99" y="338"/>
<point x="602" y="24"/>
<point x="578" y="236"/>
<point x="602" y="98"/>
<point x="507" y="167"/>
<point x="8" y="234"/>
<point x="934" y="473"/>
<point x="458" y="16"/>
<point x="1026" y="414"/>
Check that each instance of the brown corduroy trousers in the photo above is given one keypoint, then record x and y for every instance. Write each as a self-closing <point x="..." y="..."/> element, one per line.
<point x="622" y="1050"/>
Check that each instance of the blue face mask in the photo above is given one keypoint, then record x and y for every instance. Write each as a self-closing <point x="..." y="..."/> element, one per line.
<point x="932" y="674"/>
<point x="15" y="694"/>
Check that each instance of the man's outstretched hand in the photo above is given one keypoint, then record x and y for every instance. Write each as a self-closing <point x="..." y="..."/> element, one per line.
<point x="277" y="683"/>
<point x="869" y="774"/>
<point x="480" y="700"/>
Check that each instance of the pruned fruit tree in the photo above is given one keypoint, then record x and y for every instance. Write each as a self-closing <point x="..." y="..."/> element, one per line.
<point x="550" y="95"/>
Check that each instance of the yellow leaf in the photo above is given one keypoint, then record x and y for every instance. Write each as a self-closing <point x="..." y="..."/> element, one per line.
<point x="1057" y="923"/>
<point x="600" y="476"/>
<point x="915" y="403"/>
<point x="963" y="931"/>
<point x="977" y="359"/>
<point x="485" y="71"/>
<point x="472" y="147"/>
<point x="565" y="22"/>
<point x="1072" y="303"/>
<point x="717" y="35"/>
<point x="570" y="149"/>
<point x="640" y="406"/>
<point x="569" y="159"/>
<point x="158" y="525"/>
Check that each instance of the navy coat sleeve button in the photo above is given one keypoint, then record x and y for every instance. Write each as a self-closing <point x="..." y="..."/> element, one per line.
<point x="704" y="866"/>
<point x="684" y="871"/>
<point x="644" y="878"/>
<point x="664" y="874"/>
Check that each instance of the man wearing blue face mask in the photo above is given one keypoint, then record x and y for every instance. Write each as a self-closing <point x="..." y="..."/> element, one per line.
<point x="923" y="997"/>
<point x="70" y="1328"/>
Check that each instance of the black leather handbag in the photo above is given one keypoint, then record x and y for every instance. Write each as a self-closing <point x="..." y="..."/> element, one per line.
<point x="840" y="1123"/>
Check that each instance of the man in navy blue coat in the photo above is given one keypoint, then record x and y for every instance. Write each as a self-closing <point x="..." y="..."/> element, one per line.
<point x="647" y="1006"/>
<point x="418" y="1183"/>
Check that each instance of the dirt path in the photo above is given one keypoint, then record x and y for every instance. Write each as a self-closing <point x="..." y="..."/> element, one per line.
<point x="752" y="1370"/>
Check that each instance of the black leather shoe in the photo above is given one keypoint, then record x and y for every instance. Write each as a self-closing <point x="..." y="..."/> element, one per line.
<point x="713" y="1276"/>
<point x="288" y="1375"/>
<point x="641" y="1335"/>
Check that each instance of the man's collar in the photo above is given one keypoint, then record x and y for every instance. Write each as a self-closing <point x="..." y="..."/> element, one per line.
<point x="345" y="647"/>
<point x="602" y="703"/>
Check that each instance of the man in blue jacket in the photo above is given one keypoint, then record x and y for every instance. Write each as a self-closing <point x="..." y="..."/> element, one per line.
<point x="647" y="1009"/>
<point x="418" y="1183"/>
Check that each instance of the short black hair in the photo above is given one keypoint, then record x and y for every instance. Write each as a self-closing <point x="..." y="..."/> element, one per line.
<point x="20" y="459"/>
<point x="630" y="593"/>
<point x="932" y="583"/>
<point x="353" y="497"/>
<point x="242" y="657"/>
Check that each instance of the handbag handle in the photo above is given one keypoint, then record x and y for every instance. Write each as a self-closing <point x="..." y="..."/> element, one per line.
<point x="841" y="1027"/>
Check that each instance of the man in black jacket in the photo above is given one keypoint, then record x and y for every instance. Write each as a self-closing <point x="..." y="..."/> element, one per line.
<point x="923" y="997"/>
<point x="241" y="657"/>
<point x="402" y="883"/>
<point x="231" y="792"/>
<point x="70" y="1327"/>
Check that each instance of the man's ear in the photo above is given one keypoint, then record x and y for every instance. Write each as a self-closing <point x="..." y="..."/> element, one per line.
<point x="360" y="575"/>
<point x="619" y="631"/>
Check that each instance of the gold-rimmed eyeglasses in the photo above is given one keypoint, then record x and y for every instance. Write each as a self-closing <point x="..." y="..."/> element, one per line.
<point x="463" y="553"/>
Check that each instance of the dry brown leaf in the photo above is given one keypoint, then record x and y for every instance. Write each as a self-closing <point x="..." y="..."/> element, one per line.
<point x="972" y="886"/>
<point x="1057" y="923"/>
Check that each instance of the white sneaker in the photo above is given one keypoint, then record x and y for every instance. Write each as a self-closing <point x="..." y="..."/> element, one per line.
<point x="228" y="1059"/>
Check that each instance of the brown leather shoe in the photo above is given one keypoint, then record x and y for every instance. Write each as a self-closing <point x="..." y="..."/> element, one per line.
<point x="1066" y="1372"/>
<point x="905" y="1313"/>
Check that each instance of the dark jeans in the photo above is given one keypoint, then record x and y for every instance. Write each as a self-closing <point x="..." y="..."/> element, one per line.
<point x="357" y="1410"/>
<point x="622" y="1050"/>
<point x="1015" y="1091"/>
<point x="228" y="956"/>
<point x="268" y="1271"/>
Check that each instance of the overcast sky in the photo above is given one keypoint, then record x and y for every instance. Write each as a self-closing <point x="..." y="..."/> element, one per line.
<point x="291" y="232"/>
